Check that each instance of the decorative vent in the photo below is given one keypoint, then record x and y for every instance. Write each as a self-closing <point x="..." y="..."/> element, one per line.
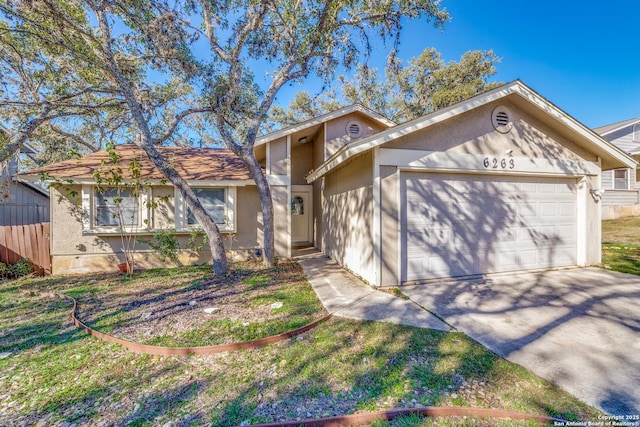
<point x="354" y="129"/>
<point x="501" y="119"/>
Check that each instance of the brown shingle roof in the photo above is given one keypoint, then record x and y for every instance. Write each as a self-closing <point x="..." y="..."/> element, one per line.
<point x="200" y="164"/>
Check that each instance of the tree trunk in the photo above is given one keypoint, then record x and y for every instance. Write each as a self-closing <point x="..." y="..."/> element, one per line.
<point x="208" y="226"/>
<point x="266" y="202"/>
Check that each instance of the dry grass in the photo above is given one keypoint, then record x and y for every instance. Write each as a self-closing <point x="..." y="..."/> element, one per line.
<point x="53" y="373"/>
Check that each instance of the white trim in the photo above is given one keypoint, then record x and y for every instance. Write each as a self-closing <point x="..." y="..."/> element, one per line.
<point x="87" y="207"/>
<point x="157" y="182"/>
<point x="278" y="180"/>
<point x="231" y="216"/>
<point x="88" y="227"/>
<point x="399" y="211"/>
<point x="309" y="190"/>
<point x="268" y="160"/>
<point x="229" y="225"/>
<point x="324" y="118"/>
<point x="288" y="207"/>
<point x="145" y="209"/>
<point x="377" y="221"/>
<point x="227" y="183"/>
<point x="626" y="124"/>
<point x="582" y="200"/>
<point x="179" y="210"/>
<point x="517" y="88"/>
<point x="442" y="160"/>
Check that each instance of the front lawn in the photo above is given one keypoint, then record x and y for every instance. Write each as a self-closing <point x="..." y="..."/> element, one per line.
<point x="51" y="372"/>
<point x="621" y="245"/>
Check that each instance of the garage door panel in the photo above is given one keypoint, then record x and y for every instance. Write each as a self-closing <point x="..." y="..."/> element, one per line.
<point x="467" y="224"/>
<point x="420" y="238"/>
<point x="567" y="209"/>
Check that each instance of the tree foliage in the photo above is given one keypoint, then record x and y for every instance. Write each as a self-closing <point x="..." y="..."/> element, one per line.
<point x="157" y="64"/>
<point x="425" y="84"/>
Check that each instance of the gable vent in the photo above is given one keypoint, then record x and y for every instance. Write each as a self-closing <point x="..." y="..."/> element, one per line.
<point x="354" y="129"/>
<point x="501" y="119"/>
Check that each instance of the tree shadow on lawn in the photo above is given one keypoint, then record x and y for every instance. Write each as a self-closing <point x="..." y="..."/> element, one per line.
<point x="34" y="321"/>
<point x="367" y="366"/>
<point x="341" y="367"/>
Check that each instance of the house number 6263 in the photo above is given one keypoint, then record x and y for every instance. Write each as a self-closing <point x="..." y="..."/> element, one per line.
<point x="495" y="163"/>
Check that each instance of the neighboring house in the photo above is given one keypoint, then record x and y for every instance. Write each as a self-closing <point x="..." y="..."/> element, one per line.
<point x="21" y="203"/>
<point x="622" y="186"/>
<point x="504" y="181"/>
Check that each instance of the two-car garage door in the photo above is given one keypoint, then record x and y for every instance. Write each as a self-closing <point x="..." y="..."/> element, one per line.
<point x="458" y="225"/>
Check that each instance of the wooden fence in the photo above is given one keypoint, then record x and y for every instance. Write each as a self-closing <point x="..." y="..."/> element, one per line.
<point x="26" y="241"/>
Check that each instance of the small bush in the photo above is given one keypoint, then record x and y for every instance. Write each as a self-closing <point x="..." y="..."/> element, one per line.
<point x="164" y="245"/>
<point x="13" y="271"/>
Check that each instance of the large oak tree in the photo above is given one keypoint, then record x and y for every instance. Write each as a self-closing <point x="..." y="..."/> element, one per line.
<point x="162" y="62"/>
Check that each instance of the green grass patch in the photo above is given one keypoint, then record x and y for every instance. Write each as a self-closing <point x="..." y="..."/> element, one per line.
<point x="622" y="258"/>
<point x="53" y="373"/>
<point x="621" y="245"/>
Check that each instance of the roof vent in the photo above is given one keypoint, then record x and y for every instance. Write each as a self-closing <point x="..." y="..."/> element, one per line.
<point x="501" y="119"/>
<point x="354" y="129"/>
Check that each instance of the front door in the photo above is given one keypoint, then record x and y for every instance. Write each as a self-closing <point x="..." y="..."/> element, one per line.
<point x="300" y="216"/>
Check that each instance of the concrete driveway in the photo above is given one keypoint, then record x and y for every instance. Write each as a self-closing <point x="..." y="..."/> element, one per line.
<point x="578" y="328"/>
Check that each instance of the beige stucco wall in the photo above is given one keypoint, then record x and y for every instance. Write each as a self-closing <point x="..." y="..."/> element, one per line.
<point x="278" y="157"/>
<point x="473" y="133"/>
<point x="336" y="131"/>
<point x="348" y="216"/>
<point x="301" y="163"/>
<point x="164" y="210"/>
<point x="389" y="223"/>
<point x="73" y="251"/>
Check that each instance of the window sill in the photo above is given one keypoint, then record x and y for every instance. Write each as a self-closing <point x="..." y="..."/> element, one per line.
<point x="144" y="232"/>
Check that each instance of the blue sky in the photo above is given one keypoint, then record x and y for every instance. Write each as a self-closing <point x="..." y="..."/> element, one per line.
<point x="582" y="56"/>
<point x="579" y="55"/>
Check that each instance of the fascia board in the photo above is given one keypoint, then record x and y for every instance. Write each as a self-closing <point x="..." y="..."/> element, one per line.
<point x="516" y="87"/>
<point x="320" y="119"/>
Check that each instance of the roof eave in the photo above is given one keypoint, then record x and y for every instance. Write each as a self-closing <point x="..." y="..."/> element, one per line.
<point x="323" y="118"/>
<point x="602" y="148"/>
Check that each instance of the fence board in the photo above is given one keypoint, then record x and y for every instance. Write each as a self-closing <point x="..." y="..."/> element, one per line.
<point x="29" y="241"/>
<point x="37" y="261"/>
<point x="14" y="249"/>
<point x="4" y="253"/>
<point x="44" y="247"/>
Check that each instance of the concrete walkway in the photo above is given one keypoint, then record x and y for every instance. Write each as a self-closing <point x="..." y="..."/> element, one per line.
<point x="345" y="295"/>
<point x="578" y="328"/>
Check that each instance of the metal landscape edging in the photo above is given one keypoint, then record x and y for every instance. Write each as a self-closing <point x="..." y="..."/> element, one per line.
<point x="185" y="351"/>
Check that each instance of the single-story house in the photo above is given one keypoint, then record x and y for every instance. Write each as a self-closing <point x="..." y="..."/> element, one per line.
<point x="504" y="181"/>
<point x="622" y="186"/>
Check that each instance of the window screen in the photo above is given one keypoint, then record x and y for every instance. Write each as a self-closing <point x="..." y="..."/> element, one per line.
<point x="114" y="205"/>
<point x="214" y="202"/>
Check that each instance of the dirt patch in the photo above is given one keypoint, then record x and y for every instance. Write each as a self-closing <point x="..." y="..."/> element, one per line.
<point x="209" y="310"/>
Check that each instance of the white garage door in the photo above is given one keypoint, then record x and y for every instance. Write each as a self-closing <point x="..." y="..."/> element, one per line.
<point x="458" y="225"/>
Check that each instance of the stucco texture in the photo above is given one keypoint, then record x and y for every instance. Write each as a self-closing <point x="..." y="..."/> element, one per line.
<point x="76" y="251"/>
<point x="348" y="216"/>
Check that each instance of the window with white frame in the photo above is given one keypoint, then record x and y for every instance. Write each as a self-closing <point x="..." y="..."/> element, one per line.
<point x="116" y="207"/>
<point x="621" y="179"/>
<point x="214" y="201"/>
